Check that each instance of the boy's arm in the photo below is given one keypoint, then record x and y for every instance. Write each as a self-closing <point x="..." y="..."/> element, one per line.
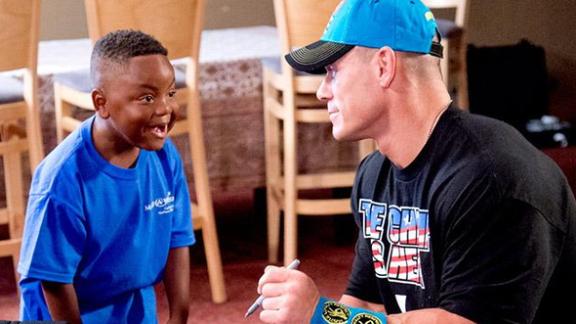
<point x="177" y="284"/>
<point x="62" y="301"/>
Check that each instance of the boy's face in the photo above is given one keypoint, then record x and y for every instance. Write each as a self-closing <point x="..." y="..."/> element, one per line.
<point x="140" y="101"/>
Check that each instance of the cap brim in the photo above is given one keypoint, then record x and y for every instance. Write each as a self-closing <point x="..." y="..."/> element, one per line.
<point x="315" y="57"/>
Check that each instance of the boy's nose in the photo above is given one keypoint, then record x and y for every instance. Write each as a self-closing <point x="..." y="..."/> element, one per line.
<point x="165" y="107"/>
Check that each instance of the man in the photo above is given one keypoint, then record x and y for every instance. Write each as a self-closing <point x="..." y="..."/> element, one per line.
<point x="460" y="219"/>
<point x="109" y="210"/>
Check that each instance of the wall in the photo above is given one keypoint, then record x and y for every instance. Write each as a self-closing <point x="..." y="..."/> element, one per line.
<point x="64" y="19"/>
<point x="549" y="23"/>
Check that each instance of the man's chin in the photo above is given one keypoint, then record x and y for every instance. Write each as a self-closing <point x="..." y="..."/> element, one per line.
<point x="340" y="136"/>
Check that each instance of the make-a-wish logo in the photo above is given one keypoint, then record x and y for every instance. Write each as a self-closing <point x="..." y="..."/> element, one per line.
<point x="166" y="204"/>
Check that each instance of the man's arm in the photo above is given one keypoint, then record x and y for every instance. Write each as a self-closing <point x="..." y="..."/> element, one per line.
<point x="359" y="303"/>
<point x="177" y="284"/>
<point x="421" y="316"/>
<point x="62" y="301"/>
<point x="427" y="316"/>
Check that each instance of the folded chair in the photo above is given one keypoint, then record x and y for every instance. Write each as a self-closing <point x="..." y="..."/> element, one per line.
<point x="289" y="99"/>
<point x="177" y="24"/>
<point x="19" y="113"/>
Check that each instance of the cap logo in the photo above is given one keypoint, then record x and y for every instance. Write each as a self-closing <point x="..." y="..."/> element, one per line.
<point x="429" y="15"/>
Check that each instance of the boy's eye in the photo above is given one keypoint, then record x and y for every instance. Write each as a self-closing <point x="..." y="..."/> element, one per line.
<point x="172" y="94"/>
<point x="147" y="99"/>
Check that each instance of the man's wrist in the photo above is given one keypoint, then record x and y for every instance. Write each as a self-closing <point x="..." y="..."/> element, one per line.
<point x="332" y="312"/>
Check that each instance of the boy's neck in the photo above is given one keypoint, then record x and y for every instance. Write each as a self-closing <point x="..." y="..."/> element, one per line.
<point x="118" y="154"/>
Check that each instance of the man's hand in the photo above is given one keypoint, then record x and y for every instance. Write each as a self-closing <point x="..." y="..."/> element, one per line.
<point x="290" y="296"/>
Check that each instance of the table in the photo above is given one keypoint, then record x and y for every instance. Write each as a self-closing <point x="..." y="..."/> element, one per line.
<point x="231" y="95"/>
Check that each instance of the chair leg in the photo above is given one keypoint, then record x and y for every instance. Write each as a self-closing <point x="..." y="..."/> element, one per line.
<point x="11" y="248"/>
<point x="462" y="74"/>
<point x="272" y="160"/>
<point x="444" y="67"/>
<point x="15" y="260"/>
<point x="204" y="197"/>
<point x="34" y="136"/>
<point x="290" y="190"/>
<point x="365" y="147"/>
<point x="61" y="109"/>
<point x="14" y="193"/>
<point x="15" y="207"/>
<point x="33" y="128"/>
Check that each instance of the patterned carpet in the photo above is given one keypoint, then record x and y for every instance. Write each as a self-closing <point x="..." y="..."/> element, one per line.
<point x="325" y="248"/>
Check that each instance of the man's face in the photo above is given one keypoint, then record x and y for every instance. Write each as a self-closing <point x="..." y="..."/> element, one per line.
<point x="141" y="101"/>
<point x="347" y="89"/>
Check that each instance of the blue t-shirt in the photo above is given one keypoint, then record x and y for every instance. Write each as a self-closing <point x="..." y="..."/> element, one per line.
<point x="107" y="230"/>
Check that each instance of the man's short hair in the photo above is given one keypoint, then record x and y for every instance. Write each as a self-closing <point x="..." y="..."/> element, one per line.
<point x="121" y="45"/>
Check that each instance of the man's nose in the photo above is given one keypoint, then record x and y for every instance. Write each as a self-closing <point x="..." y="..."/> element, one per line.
<point x="323" y="93"/>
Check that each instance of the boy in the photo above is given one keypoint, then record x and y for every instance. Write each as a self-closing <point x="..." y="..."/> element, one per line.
<point x="109" y="212"/>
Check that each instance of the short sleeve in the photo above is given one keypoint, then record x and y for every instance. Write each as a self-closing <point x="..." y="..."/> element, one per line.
<point x="53" y="239"/>
<point x="362" y="281"/>
<point x="182" y="232"/>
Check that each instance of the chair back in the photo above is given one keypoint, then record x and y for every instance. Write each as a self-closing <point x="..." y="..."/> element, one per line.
<point x="459" y="6"/>
<point x="177" y="24"/>
<point x="19" y="34"/>
<point x="19" y="20"/>
<point x="19" y="30"/>
<point x="301" y="22"/>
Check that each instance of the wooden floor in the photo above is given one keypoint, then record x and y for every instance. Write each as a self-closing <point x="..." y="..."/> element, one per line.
<point x="326" y="247"/>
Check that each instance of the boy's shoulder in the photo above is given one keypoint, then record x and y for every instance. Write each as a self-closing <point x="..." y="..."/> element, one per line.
<point x="60" y="165"/>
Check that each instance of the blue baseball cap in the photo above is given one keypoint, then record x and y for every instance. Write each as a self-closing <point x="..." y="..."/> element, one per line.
<point x="403" y="25"/>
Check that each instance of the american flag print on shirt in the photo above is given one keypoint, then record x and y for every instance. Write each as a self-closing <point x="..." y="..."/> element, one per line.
<point x="406" y="231"/>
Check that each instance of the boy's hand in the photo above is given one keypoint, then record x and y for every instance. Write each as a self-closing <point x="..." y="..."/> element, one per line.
<point x="290" y="296"/>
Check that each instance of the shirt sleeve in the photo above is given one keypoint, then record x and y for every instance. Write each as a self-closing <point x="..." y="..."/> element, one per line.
<point x="53" y="239"/>
<point x="362" y="281"/>
<point x="182" y="232"/>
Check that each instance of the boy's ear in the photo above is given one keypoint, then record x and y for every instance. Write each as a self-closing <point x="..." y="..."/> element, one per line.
<point x="99" y="103"/>
<point x="387" y="66"/>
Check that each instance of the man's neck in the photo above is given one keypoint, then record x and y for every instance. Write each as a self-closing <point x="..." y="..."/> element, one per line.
<point x="412" y="123"/>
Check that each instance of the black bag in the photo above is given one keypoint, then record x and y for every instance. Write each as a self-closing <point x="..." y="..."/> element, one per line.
<point x="510" y="83"/>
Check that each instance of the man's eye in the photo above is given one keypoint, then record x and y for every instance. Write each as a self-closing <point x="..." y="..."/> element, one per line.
<point x="331" y="71"/>
<point x="172" y="94"/>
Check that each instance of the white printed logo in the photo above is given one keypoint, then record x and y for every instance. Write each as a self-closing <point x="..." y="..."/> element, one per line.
<point x="166" y="204"/>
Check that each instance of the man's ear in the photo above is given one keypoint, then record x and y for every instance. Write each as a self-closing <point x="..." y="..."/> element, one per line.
<point x="387" y="66"/>
<point x="99" y="103"/>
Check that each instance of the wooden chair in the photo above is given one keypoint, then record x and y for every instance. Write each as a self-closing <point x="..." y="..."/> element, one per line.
<point x="453" y="32"/>
<point x="19" y="106"/>
<point x="177" y="24"/>
<point x="289" y="98"/>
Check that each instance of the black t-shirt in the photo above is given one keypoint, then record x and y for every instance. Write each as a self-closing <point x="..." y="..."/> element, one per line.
<point x="481" y="224"/>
